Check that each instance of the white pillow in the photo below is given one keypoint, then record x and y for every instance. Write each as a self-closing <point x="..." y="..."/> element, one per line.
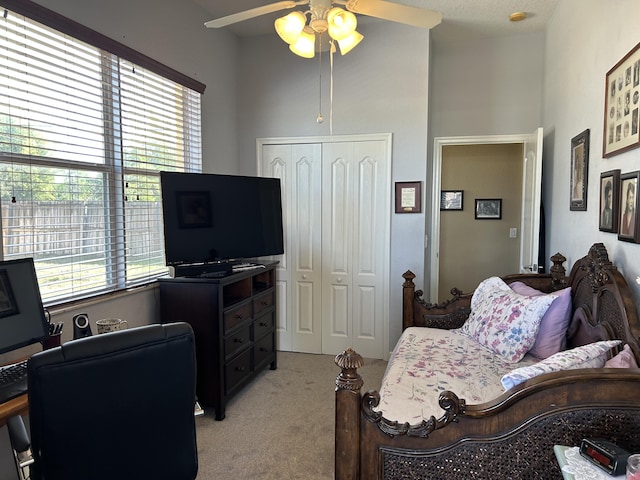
<point x="504" y="321"/>
<point x="593" y="355"/>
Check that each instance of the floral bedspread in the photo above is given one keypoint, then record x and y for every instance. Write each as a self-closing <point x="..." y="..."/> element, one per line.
<point x="427" y="361"/>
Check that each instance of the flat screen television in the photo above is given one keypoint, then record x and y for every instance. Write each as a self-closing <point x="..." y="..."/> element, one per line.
<point x="212" y="218"/>
<point x="22" y="318"/>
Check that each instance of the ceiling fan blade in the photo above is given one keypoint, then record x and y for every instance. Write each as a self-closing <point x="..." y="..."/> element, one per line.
<point x="418" y="17"/>
<point x="252" y="13"/>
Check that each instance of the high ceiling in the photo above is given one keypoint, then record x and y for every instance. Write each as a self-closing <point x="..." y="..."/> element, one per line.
<point x="463" y="20"/>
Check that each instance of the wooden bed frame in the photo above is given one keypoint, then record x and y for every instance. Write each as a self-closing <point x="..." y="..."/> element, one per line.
<point x="513" y="436"/>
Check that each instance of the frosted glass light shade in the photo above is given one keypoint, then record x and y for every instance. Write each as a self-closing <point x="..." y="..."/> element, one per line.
<point x="290" y="26"/>
<point x="305" y="45"/>
<point x="341" y="23"/>
<point x="349" y="43"/>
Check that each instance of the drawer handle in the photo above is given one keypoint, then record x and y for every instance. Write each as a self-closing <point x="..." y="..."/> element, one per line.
<point x="237" y="340"/>
<point x="264" y="349"/>
<point x="239" y="369"/>
<point x="238" y="316"/>
<point x="264" y="324"/>
<point x="265" y="302"/>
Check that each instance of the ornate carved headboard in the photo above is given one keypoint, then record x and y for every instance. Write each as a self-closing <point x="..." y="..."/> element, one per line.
<point x="602" y="306"/>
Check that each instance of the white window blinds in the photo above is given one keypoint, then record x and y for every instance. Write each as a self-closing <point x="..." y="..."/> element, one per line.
<point x="83" y="137"/>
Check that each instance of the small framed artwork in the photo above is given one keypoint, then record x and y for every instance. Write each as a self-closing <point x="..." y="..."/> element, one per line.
<point x="488" y="209"/>
<point x="609" y="200"/>
<point x="451" y="200"/>
<point x="621" y="105"/>
<point x="194" y="209"/>
<point x="579" y="171"/>
<point x="408" y="197"/>
<point x="8" y="305"/>
<point x="628" y="231"/>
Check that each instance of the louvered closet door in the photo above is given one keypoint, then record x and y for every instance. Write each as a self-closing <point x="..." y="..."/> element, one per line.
<point x="299" y="274"/>
<point x="355" y="246"/>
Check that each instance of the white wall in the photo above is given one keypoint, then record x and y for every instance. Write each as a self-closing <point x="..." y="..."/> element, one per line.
<point x="379" y="87"/>
<point x="585" y="39"/>
<point x="489" y="87"/>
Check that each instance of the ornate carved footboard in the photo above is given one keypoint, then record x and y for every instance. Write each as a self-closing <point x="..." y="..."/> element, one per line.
<point x="511" y="437"/>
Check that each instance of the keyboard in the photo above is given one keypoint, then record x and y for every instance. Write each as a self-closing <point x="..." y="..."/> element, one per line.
<point x="13" y="380"/>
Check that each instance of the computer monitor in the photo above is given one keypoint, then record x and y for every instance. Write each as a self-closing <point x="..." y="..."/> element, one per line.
<point x="22" y="318"/>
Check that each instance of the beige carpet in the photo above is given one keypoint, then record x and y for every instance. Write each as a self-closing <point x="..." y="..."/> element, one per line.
<point x="281" y="425"/>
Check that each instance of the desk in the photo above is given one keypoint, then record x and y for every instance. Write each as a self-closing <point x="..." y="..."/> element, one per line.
<point x="15" y="406"/>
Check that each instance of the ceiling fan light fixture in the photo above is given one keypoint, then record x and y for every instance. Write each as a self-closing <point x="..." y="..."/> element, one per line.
<point x="305" y="45"/>
<point x="319" y="25"/>
<point x="290" y="26"/>
<point x="341" y="23"/>
<point x="349" y="43"/>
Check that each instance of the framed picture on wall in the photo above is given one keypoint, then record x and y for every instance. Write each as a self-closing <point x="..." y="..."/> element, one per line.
<point x="451" y="199"/>
<point x="488" y="209"/>
<point x="609" y="201"/>
<point x="628" y="231"/>
<point x="579" y="171"/>
<point x="408" y="197"/>
<point x="622" y="99"/>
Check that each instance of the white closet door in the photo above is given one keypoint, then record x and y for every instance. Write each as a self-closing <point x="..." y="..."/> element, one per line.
<point x="299" y="274"/>
<point x="355" y="246"/>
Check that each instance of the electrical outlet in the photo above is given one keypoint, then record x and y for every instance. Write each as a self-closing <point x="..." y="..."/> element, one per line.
<point x="513" y="232"/>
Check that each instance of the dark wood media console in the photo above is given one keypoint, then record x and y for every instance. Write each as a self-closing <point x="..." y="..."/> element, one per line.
<point x="233" y="318"/>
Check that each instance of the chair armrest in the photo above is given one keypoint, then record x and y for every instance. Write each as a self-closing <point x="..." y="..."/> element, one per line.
<point x="18" y="435"/>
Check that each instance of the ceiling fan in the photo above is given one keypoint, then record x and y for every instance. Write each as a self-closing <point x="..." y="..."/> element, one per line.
<point x="327" y="19"/>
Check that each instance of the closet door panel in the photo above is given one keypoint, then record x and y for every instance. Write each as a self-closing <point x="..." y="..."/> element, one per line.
<point x="369" y="268"/>
<point x="306" y="247"/>
<point x="298" y="283"/>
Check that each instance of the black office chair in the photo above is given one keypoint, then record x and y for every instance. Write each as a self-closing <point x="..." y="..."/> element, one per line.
<point x="113" y="406"/>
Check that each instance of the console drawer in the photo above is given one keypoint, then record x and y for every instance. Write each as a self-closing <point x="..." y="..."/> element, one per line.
<point x="263" y="325"/>
<point x="262" y="303"/>
<point x="237" y="370"/>
<point x="236" y="316"/>
<point x="237" y="341"/>
<point x="263" y="351"/>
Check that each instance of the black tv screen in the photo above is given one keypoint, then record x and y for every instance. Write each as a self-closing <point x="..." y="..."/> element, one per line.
<point x="22" y="318"/>
<point x="213" y="218"/>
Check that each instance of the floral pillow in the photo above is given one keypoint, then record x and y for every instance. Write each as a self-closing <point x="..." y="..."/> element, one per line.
<point x="552" y="336"/>
<point x="593" y="355"/>
<point x="504" y="321"/>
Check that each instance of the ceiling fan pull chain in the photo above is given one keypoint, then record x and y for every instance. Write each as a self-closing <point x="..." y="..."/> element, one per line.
<point x="320" y="118"/>
<point x="332" y="50"/>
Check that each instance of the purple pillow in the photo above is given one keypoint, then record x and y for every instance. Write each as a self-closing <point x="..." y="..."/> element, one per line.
<point x="552" y="336"/>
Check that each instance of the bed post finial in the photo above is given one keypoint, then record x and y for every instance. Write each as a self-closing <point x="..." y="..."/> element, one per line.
<point x="349" y="378"/>
<point x="408" y="294"/>
<point x="558" y="272"/>
<point x="347" y="441"/>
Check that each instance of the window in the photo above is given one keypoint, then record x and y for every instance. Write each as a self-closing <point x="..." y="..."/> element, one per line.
<point x="84" y="134"/>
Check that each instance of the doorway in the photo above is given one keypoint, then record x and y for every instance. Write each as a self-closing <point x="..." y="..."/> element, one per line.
<point x="524" y="224"/>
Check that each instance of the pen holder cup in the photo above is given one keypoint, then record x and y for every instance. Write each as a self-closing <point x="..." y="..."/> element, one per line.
<point x="51" y="341"/>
